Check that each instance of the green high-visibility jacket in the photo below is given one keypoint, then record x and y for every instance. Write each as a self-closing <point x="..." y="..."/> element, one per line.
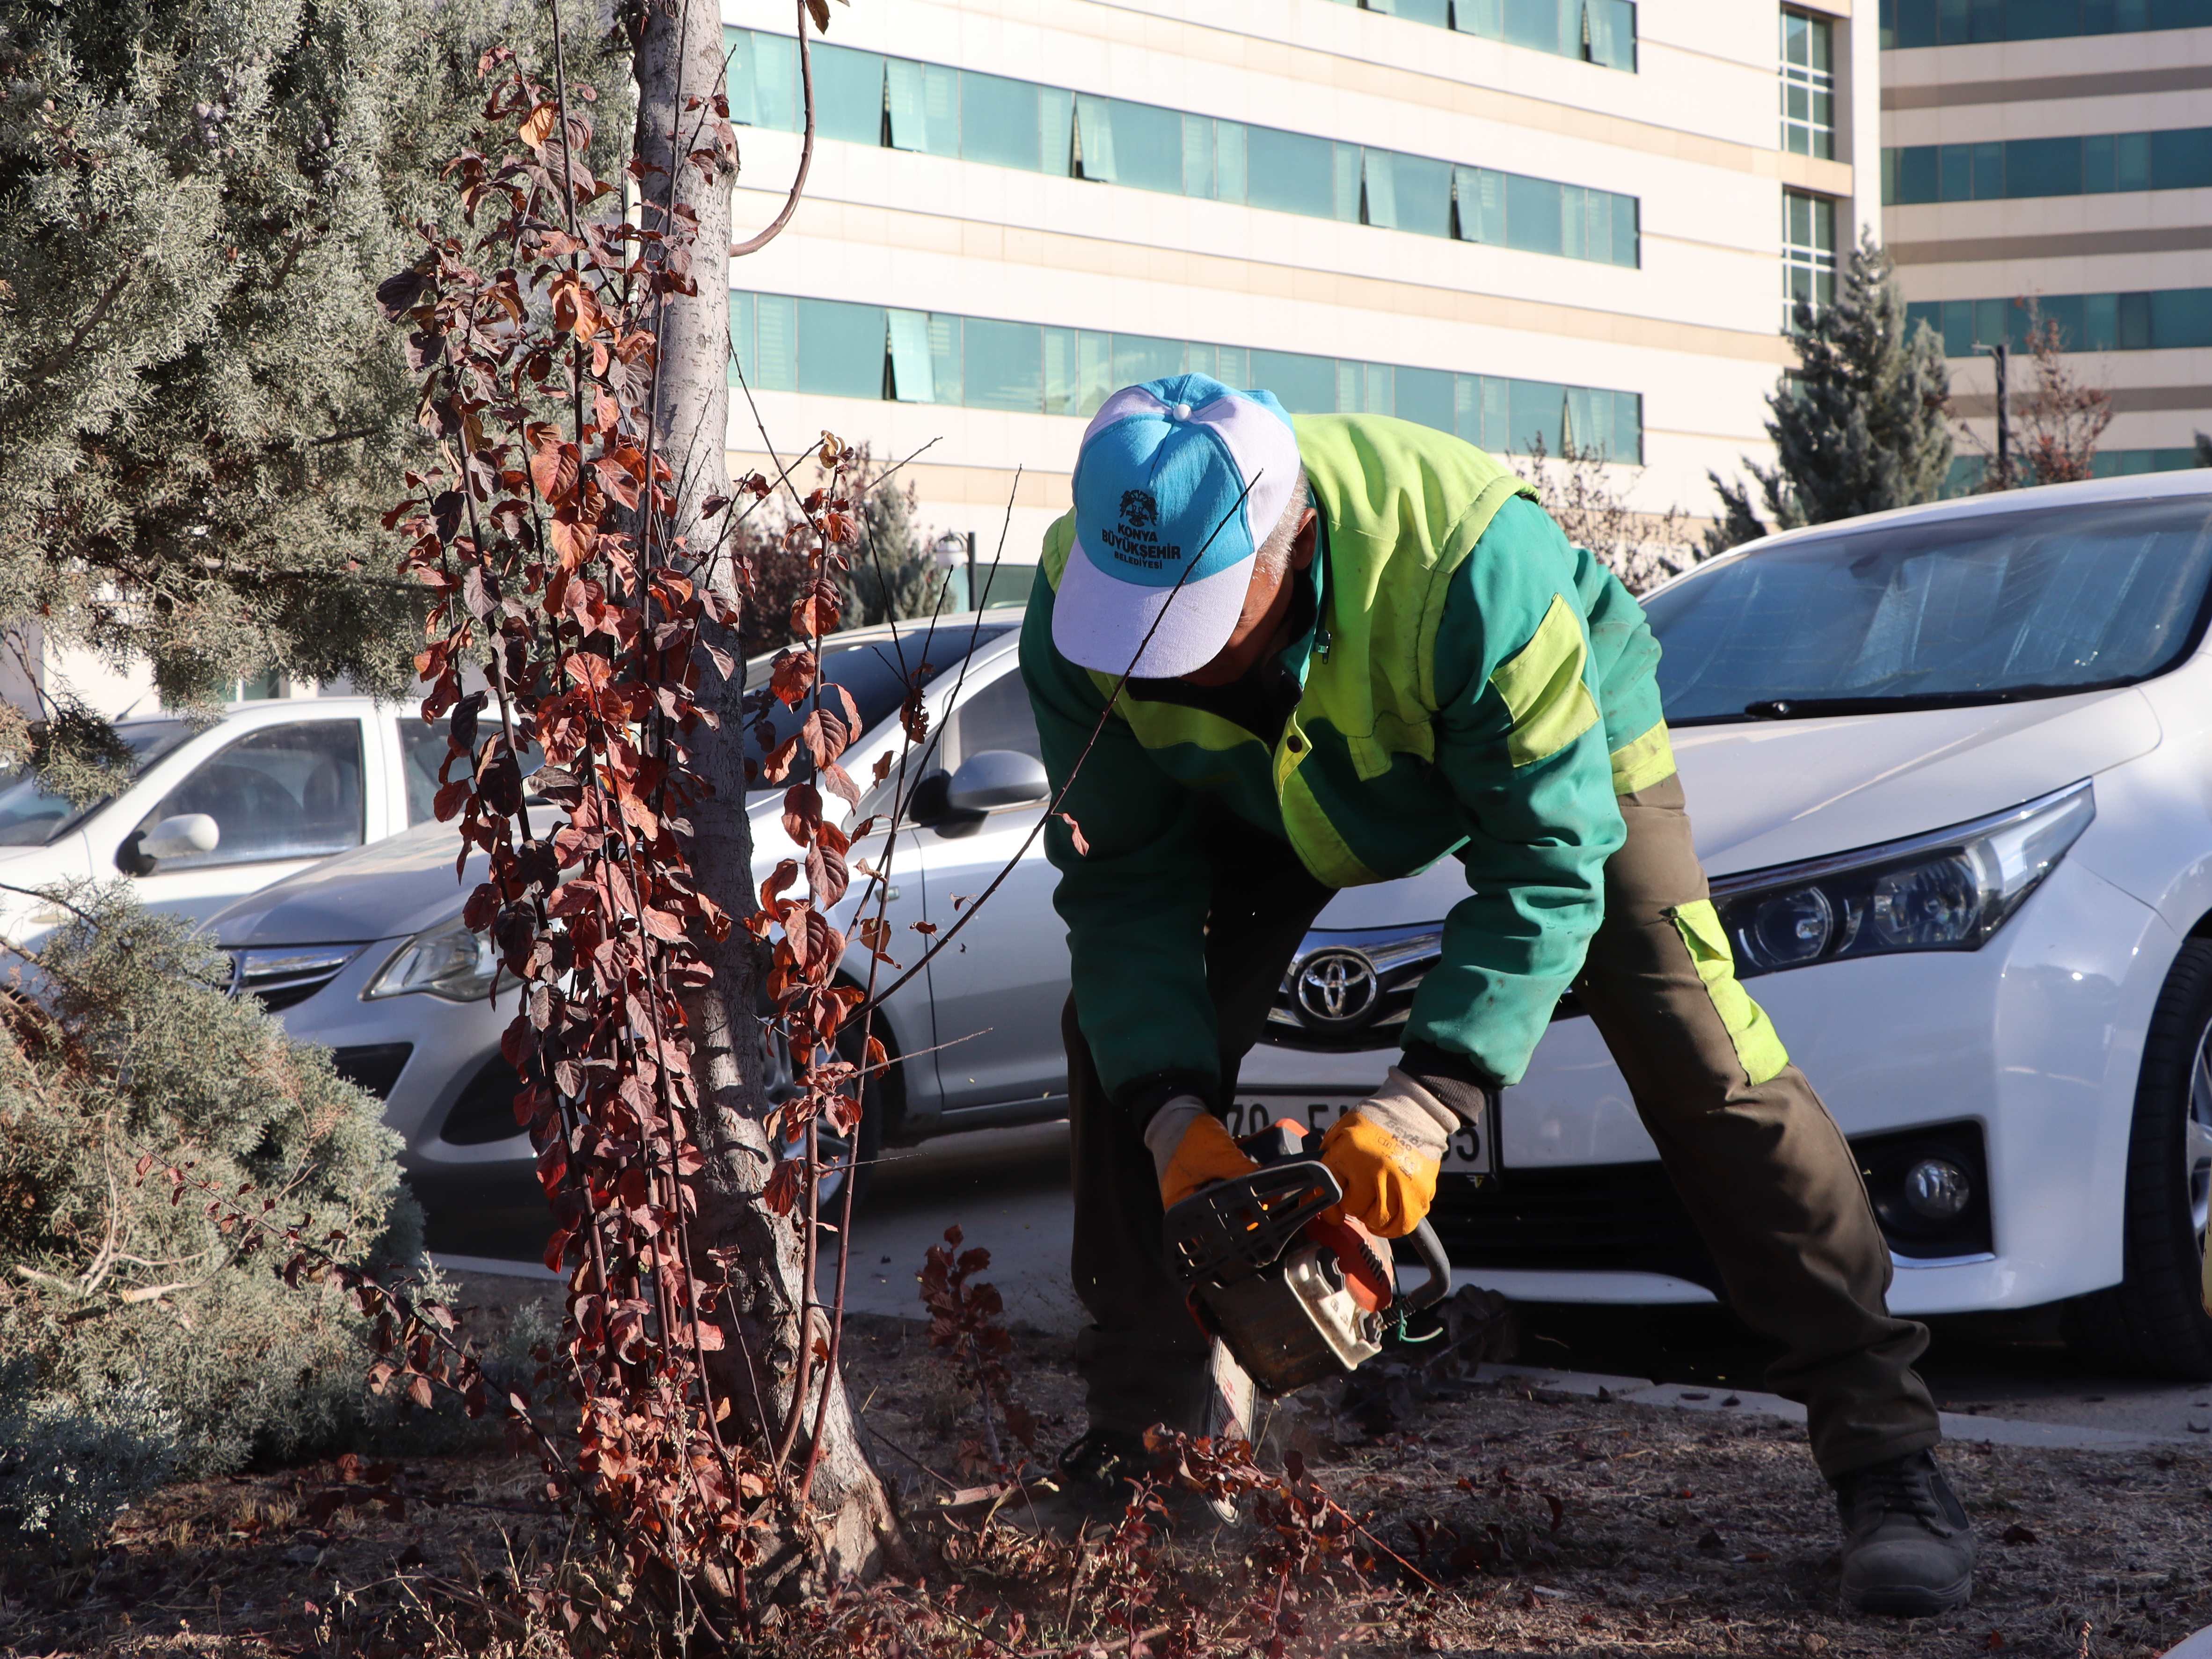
<point x="1472" y="683"/>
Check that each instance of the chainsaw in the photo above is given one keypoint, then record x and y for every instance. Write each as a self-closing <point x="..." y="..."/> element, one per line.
<point x="1294" y="1297"/>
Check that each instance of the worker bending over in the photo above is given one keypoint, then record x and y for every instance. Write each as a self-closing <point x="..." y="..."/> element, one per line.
<point x="1356" y="645"/>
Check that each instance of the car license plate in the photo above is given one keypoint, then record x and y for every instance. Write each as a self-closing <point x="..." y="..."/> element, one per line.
<point x="1472" y="1152"/>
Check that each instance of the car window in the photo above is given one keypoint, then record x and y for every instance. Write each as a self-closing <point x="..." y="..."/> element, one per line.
<point x="874" y="672"/>
<point x="1949" y="609"/>
<point x="285" y="791"/>
<point x="31" y="816"/>
<point x="997" y="717"/>
<point x="422" y="751"/>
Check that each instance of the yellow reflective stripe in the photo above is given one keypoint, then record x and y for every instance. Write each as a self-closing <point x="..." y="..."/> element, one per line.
<point x="1059" y="542"/>
<point x="1642" y="761"/>
<point x="1757" y="1046"/>
<point x="1542" y="685"/>
<point x="1320" y="847"/>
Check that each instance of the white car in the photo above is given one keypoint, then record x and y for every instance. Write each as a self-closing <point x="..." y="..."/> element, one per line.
<point x="1951" y="772"/>
<point x="220" y="808"/>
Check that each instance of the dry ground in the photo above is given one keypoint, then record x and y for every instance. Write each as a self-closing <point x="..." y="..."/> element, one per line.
<point x="1553" y="1526"/>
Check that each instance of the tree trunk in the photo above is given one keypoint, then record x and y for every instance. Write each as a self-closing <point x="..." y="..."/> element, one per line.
<point x="679" y="59"/>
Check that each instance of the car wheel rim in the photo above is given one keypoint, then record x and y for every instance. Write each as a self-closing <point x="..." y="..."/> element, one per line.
<point x="2196" y="1136"/>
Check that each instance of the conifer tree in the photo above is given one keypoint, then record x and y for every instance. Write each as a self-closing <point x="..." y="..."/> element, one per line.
<point x="202" y="415"/>
<point x="1858" y="426"/>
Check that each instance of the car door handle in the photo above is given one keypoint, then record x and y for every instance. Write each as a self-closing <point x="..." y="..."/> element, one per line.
<point x="891" y="893"/>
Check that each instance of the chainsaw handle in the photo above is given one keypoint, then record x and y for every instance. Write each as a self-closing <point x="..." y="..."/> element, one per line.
<point x="1431" y="1249"/>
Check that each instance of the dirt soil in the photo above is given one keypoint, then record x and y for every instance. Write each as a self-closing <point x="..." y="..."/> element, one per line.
<point x="1551" y="1525"/>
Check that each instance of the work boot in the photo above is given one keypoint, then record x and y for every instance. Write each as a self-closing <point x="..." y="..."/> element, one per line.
<point x="1908" y="1547"/>
<point x="1096" y="1471"/>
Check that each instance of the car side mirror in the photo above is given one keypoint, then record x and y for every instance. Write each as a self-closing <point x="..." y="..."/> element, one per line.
<point x="181" y="837"/>
<point x="995" y="778"/>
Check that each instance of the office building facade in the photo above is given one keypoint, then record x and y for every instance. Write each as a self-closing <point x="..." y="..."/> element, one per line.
<point x="2059" y="152"/>
<point x="1555" y="221"/>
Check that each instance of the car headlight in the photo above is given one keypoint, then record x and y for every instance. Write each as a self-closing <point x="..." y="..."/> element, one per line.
<point x="447" y="961"/>
<point x="1950" y="890"/>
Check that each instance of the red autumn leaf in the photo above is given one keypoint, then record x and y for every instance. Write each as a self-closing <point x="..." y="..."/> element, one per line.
<point x="802" y="810"/>
<point x="554" y="468"/>
<point x="792" y="677"/>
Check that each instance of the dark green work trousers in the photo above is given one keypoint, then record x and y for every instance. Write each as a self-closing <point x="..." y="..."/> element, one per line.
<point x="1761" y="1166"/>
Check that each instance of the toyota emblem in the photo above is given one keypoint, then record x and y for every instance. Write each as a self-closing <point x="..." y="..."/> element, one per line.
<point x="1337" y="988"/>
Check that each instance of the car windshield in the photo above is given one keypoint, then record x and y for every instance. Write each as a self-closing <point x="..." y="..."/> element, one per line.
<point x="1952" y="611"/>
<point x="32" y="815"/>
<point x="870" y="672"/>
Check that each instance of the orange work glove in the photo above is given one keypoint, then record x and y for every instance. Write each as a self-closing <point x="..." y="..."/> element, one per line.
<point x="1192" y="1148"/>
<point x="1386" y="1152"/>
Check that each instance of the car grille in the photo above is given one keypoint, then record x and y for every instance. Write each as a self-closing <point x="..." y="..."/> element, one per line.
<point x="374" y="1066"/>
<point x="1604" y="1218"/>
<point x="1369" y="976"/>
<point x="1351" y="989"/>
<point x="282" y="978"/>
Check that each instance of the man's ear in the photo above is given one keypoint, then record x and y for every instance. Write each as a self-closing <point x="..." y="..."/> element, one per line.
<point x="1302" y="543"/>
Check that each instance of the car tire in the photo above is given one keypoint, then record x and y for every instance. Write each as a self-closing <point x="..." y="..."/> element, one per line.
<point x="2153" y="1322"/>
<point x="871" y="1134"/>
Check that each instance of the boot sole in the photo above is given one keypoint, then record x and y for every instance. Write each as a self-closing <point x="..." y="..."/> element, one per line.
<point x="1912" y="1603"/>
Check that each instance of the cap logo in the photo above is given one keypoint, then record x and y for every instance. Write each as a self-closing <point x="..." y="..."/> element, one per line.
<point x="1135" y="538"/>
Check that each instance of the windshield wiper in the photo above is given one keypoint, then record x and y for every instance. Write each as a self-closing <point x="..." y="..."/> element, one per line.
<point x="1800" y="708"/>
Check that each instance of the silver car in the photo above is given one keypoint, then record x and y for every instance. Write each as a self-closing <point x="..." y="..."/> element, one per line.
<point x="366" y="952"/>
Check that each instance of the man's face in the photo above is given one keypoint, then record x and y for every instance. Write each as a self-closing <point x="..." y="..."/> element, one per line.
<point x="1267" y="608"/>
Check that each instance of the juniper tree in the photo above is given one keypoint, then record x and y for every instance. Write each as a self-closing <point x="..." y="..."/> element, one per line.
<point x="1858" y="426"/>
<point x="201" y="414"/>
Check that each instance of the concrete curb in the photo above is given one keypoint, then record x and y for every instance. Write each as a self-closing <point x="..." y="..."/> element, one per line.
<point x="1987" y="1431"/>
<point x="2198" y="1646"/>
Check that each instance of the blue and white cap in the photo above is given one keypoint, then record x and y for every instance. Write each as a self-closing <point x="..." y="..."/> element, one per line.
<point x="1176" y="475"/>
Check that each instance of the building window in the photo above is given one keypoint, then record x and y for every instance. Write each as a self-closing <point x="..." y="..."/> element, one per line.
<point x="2097" y="164"/>
<point x="1595" y="31"/>
<point x="1808" y="85"/>
<point x="1808" y="252"/>
<point x="866" y="98"/>
<point x="1963" y="23"/>
<point x="842" y="349"/>
<point x="2161" y="319"/>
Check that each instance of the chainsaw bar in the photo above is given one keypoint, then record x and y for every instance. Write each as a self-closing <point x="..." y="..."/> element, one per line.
<point x="1227" y="1232"/>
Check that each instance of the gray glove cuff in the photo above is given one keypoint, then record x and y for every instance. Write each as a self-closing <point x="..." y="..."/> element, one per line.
<point x="1165" y="1131"/>
<point x="1411" y="1113"/>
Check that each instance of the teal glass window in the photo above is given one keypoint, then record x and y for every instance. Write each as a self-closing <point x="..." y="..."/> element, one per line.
<point x="1905" y="23"/>
<point x="1303" y="384"/>
<point x="1532" y="214"/>
<point x="763" y="79"/>
<point x="1148" y="147"/>
<point x="1139" y="357"/>
<point x="848" y="94"/>
<point x="841" y="348"/>
<point x="1063" y="379"/>
<point x="913" y="369"/>
<point x="1290" y="173"/>
<point x="2167" y="319"/>
<point x="999" y="121"/>
<point x="844" y="349"/>
<point x="1426" y="395"/>
<point x="924" y="106"/>
<point x="1004" y="366"/>
<point x="777" y="325"/>
<point x="864" y="97"/>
